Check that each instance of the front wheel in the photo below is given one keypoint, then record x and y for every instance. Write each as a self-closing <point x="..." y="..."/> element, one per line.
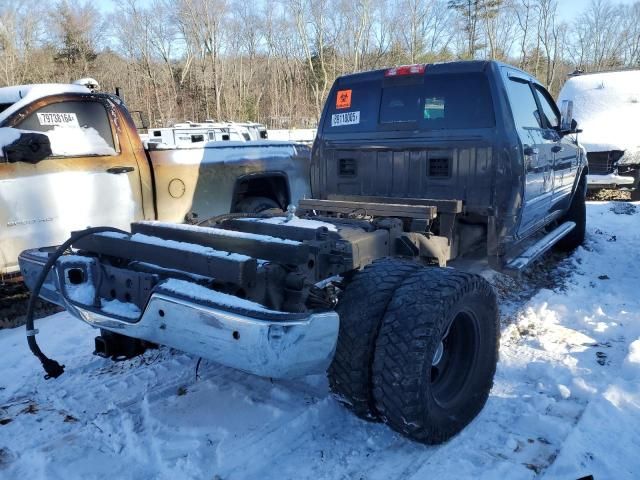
<point x="436" y="354"/>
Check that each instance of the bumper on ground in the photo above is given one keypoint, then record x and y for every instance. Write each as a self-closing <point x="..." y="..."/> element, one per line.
<point x="291" y="345"/>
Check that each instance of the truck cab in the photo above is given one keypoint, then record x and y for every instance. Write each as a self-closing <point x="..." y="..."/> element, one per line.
<point x="92" y="176"/>
<point x="481" y="132"/>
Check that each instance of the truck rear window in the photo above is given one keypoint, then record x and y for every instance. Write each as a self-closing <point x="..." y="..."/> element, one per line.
<point x="443" y="101"/>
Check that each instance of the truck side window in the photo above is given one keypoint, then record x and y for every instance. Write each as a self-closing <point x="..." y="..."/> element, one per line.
<point x="551" y="117"/>
<point x="523" y="105"/>
<point x="74" y="129"/>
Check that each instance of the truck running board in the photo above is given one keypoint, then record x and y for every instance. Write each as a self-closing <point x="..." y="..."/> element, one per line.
<point x="519" y="263"/>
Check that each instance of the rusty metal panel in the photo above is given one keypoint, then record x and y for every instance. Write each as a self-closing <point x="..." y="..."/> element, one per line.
<point x="255" y="245"/>
<point x="442" y="206"/>
<point x="370" y="208"/>
<point x="224" y="267"/>
<point x="201" y="181"/>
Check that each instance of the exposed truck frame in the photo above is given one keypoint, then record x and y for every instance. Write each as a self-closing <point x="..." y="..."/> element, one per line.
<point x="352" y="281"/>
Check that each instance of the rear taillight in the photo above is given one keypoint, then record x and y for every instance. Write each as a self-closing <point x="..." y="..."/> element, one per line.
<point x="405" y="70"/>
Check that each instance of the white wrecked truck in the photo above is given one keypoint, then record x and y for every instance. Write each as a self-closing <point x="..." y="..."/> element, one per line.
<point x="607" y="107"/>
<point x="70" y="158"/>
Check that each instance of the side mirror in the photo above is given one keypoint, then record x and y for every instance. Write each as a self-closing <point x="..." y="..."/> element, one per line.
<point x="30" y="147"/>
<point x="566" y="111"/>
<point x="574" y="125"/>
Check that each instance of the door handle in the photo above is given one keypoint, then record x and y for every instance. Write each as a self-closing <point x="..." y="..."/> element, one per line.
<point x="530" y="151"/>
<point x="556" y="148"/>
<point x="119" y="170"/>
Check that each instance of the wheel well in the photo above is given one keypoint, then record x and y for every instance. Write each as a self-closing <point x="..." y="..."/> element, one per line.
<point x="274" y="185"/>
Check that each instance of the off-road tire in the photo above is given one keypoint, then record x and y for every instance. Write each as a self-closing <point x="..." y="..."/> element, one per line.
<point x="409" y="395"/>
<point x="257" y="205"/>
<point x="361" y="308"/>
<point x="577" y="213"/>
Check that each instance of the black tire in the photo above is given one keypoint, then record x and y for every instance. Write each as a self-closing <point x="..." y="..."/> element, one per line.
<point x="577" y="213"/>
<point x="257" y="205"/>
<point x="426" y="401"/>
<point x="361" y="308"/>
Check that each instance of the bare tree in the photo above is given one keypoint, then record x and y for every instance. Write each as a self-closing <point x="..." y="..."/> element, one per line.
<point x="598" y="38"/>
<point x="274" y="61"/>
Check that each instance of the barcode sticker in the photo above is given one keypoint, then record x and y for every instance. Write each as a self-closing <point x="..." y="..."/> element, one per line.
<point x="347" y="118"/>
<point x="59" y="119"/>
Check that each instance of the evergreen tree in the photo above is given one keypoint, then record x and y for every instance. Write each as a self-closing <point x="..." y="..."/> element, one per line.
<point x="472" y="12"/>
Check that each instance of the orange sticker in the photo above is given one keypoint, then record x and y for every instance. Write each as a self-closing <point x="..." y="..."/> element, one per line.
<point x="343" y="99"/>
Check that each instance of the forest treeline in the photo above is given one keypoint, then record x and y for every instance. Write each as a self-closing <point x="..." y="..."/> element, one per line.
<point x="273" y="61"/>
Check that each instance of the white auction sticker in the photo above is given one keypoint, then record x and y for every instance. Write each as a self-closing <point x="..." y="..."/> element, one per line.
<point x="347" y="118"/>
<point x="59" y="119"/>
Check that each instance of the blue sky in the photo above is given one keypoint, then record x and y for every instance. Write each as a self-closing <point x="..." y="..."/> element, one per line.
<point x="567" y="8"/>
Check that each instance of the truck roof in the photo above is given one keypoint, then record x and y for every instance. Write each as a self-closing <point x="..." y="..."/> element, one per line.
<point x="13" y="98"/>
<point x="18" y="92"/>
<point x="459" y="66"/>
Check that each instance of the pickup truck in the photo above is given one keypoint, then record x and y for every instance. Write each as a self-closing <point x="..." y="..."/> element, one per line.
<point x="70" y="158"/>
<point x="418" y="173"/>
<point x="607" y="105"/>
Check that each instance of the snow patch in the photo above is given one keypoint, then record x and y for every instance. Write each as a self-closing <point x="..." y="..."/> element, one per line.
<point x="222" y="232"/>
<point x="198" y="292"/>
<point x="22" y="95"/>
<point x="7" y="137"/>
<point x="120" y="309"/>
<point x="76" y="142"/>
<point x="565" y="401"/>
<point x="227" y="152"/>
<point x="294" y="222"/>
<point x="66" y="141"/>
<point x="187" y="247"/>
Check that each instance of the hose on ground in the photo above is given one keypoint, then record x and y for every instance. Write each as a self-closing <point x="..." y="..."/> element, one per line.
<point x="52" y="368"/>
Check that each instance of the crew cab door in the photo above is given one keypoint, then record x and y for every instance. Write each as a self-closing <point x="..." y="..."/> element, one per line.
<point x="536" y="150"/>
<point x="565" y="151"/>
<point x="91" y="178"/>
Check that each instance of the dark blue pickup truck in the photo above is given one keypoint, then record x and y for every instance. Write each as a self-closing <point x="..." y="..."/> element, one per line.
<point x="416" y="172"/>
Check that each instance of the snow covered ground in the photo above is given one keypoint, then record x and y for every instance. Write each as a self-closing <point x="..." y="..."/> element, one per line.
<point x="566" y="400"/>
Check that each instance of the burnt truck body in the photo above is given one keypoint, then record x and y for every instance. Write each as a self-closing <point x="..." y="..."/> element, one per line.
<point x="73" y="158"/>
<point x="414" y="169"/>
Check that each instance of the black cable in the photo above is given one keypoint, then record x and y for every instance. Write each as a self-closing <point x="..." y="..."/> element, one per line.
<point x="53" y="368"/>
<point x="233" y="216"/>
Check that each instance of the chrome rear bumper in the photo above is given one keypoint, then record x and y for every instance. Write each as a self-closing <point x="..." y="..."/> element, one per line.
<point x="283" y="346"/>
